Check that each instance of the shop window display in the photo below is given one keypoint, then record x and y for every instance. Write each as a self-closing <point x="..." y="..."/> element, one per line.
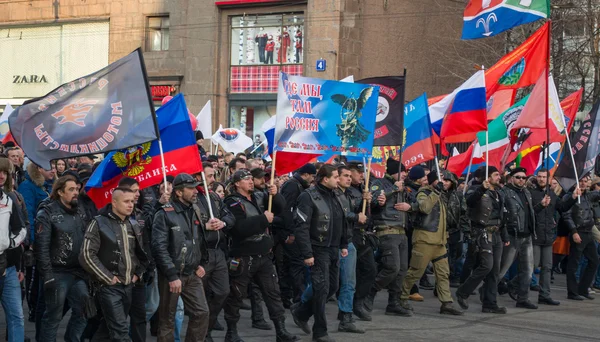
<point x="267" y="39"/>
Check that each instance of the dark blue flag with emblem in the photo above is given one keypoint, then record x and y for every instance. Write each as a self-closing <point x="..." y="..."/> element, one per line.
<point x="108" y="110"/>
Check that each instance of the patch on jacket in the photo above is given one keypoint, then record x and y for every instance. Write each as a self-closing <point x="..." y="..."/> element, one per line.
<point x="375" y="188"/>
<point x="169" y="208"/>
<point x="177" y="228"/>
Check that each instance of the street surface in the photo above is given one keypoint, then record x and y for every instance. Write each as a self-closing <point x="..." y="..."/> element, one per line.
<point x="568" y="322"/>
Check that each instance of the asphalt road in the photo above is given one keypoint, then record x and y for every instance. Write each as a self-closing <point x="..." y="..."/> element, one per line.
<point x="568" y="322"/>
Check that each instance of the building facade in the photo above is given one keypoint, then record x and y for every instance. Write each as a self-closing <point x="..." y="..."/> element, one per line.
<point x="231" y="51"/>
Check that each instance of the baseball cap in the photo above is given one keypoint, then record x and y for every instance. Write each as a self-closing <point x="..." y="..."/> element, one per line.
<point x="356" y="166"/>
<point x="240" y="175"/>
<point x="184" y="180"/>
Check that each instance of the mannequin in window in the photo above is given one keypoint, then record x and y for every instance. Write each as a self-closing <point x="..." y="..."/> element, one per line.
<point x="298" y="39"/>
<point x="269" y="50"/>
<point x="285" y="42"/>
<point x="261" y="40"/>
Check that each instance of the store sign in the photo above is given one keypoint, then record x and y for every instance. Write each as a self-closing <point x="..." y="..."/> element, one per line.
<point x="25" y="79"/>
<point x="246" y="2"/>
<point x="161" y="91"/>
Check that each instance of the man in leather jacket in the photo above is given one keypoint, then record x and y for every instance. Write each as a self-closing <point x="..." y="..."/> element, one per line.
<point x="179" y="246"/>
<point x="486" y="212"/>
<point x="59" y="231"/>
<point x="429" y="242"/>
<point x="216" y="279"/>
<point x="251" y="252"/>
<point x="390" y="208"/>
<point x="456" y="209"/>
<point x="321" y="234"/>
<point x="113" y="253"/>
<point x="520" y="225"/>
<point x="292" y="276"/>
<point x="545" y="230"/>
<point x="580" y="222"/>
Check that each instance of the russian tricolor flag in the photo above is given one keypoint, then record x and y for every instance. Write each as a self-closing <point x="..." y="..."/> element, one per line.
<point x="463" y="111"/>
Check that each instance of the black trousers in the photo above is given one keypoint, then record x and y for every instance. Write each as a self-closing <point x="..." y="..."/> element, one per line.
<point x="216" y="282"/>
<point x="115" y="301"/>
<point x="489" y="254"/>
<point x="586" y="248"/>
<point x="324" y="275"/>
<point x="393" y="265"/>
<point x="366" y="267"/>
<point x="260" y="269"/>
<point x="293" y="273"/>
<point x="137" y="312"/>
<point x="471" y="262"/>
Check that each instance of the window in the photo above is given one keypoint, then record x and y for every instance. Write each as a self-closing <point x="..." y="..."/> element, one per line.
<point x="267" y="39"/>
<point x="157" y="34"/>
<point x="575" y="27"/>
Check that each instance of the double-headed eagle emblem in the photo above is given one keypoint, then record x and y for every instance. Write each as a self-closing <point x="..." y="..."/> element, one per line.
<point x="133" y="160"/>
<point x="351" y="132"/>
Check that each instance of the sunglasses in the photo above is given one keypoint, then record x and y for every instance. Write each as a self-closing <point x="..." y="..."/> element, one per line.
<point x="520" y="177"/>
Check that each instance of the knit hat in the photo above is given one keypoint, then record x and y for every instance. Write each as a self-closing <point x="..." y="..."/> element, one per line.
<point x="432" y="177"/>
<point x="199" y="135"/>
<point x="416" y="172"/>
<point x="309" y="168"/>
<point x="392" y="166"/>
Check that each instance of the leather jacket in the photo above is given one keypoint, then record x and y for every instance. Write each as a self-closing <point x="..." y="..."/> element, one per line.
<point x="546" y="219"/>
<point x="320" y="220"/>
<point x="110" y="250"/>
<point x="215" y="238"/>
<point x="580" y="218"/>
<point x="251" y="233"/>
<point x="291" y="190"/>
<point x="59" y="235"/>
<point x="351" y="204"/>
<point x="386" y="216"/>
<point x="515" y="210"/>
<point x="481" y="204"/>
<point x="178" y="242"/>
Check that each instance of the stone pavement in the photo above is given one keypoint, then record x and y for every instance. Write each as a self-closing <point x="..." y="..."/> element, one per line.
<point x="568" y="322"/>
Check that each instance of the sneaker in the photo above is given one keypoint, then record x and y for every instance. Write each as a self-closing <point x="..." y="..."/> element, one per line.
<point x="591" y="290"/>
<point x="416" y="297"/>
<point x="596" y="288"/>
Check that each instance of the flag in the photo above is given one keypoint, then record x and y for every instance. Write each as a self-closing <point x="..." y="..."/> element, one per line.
<point x="498" y="138"/>
<point x="5" y="135"/>
<point x="285" y="162"/>
<point x="108" y="110"/>
<point x="522" y="66"/>
<point x="463" y="111"/>
<point x="585" y="147"/>
<point x="143" y="162"/>
<point x="525" y="138"/>
<point x="389" y="126"/>
<point x="232" y="140"/>
<point x="459" y="162"/>
<point x="323" y="116"/>
<point x="499" y="102"/>
<point x="487" y="18"/>
<point x="530" y="115"/>
<point x="204" y="120"/>
<point x="533" y="159"/>
<point x="418" y="145"/>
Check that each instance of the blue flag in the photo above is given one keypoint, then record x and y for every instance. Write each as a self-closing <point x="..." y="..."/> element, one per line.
<point x="418" y="146"/>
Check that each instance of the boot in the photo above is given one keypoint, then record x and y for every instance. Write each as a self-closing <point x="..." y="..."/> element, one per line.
<point x="282" y="334"/>
<point x="395" y="309"/>
<point x="369" y="300"/>
<point x="325" y="338"/>
<point x="360" y="312"/>
<point x="449" y="309"/>
<point x="232" y="333"/>
<point x="346" y="325"/>
<point x="405" y="304"/>
<point x="340" y="317"/>
<point x="300" y="323"/>
<point x="218" y="326"/>
<point x="261" y="325"/>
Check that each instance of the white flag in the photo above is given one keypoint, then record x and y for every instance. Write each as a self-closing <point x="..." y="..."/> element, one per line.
<point x="232" y="140"/>
<point x="4" y="129"/>
<point x="204" y="119"/>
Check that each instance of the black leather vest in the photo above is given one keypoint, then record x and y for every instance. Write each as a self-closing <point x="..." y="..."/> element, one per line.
<point x="251" y="209"/>
<point x="322" y="212"/>
<point x="487" y="213"/>
<point x="388" y="216"/>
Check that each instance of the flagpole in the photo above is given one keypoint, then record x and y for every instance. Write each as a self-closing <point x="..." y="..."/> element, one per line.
<point x="154" y="118"/>
<point x="400" y="196"/>
<point x="364" y="204"/>
<point x="212" y="216"/>
<point x="547" y="104"/>
<point x="437" y="168"/>
<point x="574" y="166"/>
<point x="469" y="172"/>
<point x="272" y="182"/>
<point x="487" y="154"/>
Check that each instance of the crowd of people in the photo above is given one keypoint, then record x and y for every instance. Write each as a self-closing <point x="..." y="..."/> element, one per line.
<point x="157" y="254"/>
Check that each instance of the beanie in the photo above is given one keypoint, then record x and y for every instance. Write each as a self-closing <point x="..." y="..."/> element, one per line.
<point x="309" y="168"/>
<point x="432" y="177"/>
<point x="392" y="166"/>
<point x="416" y="172"/>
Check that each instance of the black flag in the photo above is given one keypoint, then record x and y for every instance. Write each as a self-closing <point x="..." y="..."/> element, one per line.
<point x="389" y="125"/>
<point x="585" y="148"/>
<point x="108" y="110"/>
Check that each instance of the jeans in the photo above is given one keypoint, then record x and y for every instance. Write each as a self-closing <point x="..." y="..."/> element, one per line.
<point x="178" y="319"/>
<point x="522" y="247"/>
<point x="586" y="248"/>
<point x="13" y="308"/>
<point x="347" y="280"/>
<point x="325" y="278"/>
<point x="487" y="254"/>
<point x="542" y="255"/>
<point x="66" y="287"/>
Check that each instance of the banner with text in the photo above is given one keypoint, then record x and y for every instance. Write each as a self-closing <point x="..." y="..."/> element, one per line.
<point x="323" y="116"/>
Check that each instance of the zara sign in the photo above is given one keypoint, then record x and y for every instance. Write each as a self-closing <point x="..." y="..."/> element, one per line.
<point x="23" y="79"/>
